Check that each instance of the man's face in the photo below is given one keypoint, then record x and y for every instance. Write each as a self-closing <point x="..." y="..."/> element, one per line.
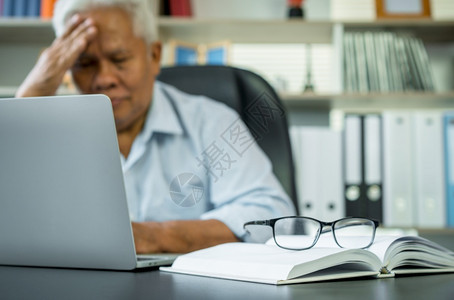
<point x="118" y="64"/>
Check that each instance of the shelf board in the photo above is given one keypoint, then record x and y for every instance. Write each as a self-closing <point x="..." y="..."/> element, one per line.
<point x="246" y="31"/>
<point x="371" y="101"/>
<point x="26" y="30"/>
<point x="425" y="29"/>
<point x="240" y="31"/>
<point x="410" y="22"/>
<point x="24" y="22"/>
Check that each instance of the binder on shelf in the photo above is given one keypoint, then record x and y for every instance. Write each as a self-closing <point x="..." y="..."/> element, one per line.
<point x="372" y="137"/>
<point x="8" y="8"/>
<point x="33" y="8"/>
<point x="429" y="181"/>
<point x="353" y="165"/>
<point x="352" y="10"/>
<point x="442" y="10"/>
<point x="309" y="202"/>
<point x="330" y="180"/>
<point x="295" y="142"/>
<point x="448" y="124"/>
<point x="47" y="8"/>
<point x="363" y="166"/>
<point x="398" y="172"/>
<point x="320" y="173"/>
<point x="180" y="8"/>
<point x="20" y="8"/>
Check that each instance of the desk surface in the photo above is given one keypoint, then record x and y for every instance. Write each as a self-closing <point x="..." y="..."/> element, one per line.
<point x="42" y="283"/>
<point x="48" y="283"/>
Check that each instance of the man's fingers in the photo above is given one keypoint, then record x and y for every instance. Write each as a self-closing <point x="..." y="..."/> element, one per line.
<point x="72" y="24"/>
<point x="69" y="47"/>
<point x="84" y="29"/>
<point x="81" y="36"/>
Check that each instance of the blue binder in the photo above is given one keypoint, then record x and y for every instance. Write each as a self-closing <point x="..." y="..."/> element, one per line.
<point x="8" y="8"/>
<point x="20" y="8"/>
<point x="449" y="159"/>
<point x="33" y="8"/>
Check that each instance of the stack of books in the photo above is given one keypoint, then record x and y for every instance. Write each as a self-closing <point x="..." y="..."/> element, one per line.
<point x="27" y="8"/>
<point x="385" y="62"/>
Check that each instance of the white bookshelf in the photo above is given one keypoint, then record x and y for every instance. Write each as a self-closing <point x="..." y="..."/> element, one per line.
<point x="21" y="40"/>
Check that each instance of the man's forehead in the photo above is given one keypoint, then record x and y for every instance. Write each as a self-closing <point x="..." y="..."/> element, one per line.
<point x="112" y="42"/>
<point x="109" y="19"/>
<point x="95" y="50"/>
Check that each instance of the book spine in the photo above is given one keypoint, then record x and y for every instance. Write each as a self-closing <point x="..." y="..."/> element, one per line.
<point x="8" y="8"/>
<point x="180" y="8"/>
<point x="47" y="8"/>
<point x="20" y="8"/>
<point x="33" y="8"/>
<point x="449" y="163"/>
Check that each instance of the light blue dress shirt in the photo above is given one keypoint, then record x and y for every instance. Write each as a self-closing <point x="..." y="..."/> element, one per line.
<point x="195" y="159"/>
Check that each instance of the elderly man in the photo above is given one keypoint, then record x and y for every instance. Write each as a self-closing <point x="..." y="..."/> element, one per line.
<point x="110" y="47"/>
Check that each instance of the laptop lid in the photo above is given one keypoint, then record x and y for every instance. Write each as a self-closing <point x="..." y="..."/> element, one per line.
<point x="62" y="196"/>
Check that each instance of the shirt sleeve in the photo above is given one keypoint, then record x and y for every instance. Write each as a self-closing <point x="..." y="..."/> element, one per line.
<point x="243" y="186"/>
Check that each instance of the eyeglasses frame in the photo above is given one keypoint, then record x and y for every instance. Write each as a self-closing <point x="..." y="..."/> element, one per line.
<point x="272" y="222"/>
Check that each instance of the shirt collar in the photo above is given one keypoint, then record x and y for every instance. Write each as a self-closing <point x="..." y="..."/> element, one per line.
<point x="162" y="116"/>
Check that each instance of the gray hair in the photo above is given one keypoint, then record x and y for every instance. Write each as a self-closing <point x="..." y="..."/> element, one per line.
<point x="144" y="21"/>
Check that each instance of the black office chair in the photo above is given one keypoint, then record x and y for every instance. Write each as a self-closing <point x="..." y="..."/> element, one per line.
<point x="255" y="101"/>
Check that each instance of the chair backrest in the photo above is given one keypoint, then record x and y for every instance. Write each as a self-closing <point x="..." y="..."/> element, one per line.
<point x="255" y="101"/>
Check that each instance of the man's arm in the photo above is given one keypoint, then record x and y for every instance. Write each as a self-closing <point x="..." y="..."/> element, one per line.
<point x="180" y="236"/>
<point x="47" y="75"/>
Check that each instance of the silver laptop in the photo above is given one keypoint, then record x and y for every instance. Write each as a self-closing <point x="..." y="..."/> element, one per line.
<point x="62" y="196"/>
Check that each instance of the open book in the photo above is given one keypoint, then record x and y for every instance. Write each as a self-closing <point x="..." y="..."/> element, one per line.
<point x="267" y="263"/>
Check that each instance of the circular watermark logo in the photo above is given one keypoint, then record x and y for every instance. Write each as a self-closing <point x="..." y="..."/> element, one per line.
<point x="186" y="190"/>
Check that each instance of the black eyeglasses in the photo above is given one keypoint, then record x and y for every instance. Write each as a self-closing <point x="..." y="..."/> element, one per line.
<point x="300" y="233"/>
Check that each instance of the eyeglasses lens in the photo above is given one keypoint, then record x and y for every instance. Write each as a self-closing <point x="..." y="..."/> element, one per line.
<point x="354" y="232"/>
<point x="296" y="233"/>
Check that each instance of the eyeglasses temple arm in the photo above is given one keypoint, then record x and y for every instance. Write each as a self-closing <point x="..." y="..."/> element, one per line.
<point x="260" y="222"/>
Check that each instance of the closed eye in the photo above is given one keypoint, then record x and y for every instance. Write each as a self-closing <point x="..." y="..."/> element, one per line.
<point x="120" y="59"/>
<point x="85" y="62"/>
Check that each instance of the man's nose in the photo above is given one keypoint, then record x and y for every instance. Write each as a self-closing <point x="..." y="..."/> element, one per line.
<point x="105" y="77"/>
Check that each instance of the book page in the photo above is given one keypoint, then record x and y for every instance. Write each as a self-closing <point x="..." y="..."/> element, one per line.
<point x="269" y="263"/>
<point x="381" y="244"/>
<point x="411" y="252"/>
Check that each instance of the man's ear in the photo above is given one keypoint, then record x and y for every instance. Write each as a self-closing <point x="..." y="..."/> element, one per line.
<point x="155" y="51"/>
<point x="155" y="55"/>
